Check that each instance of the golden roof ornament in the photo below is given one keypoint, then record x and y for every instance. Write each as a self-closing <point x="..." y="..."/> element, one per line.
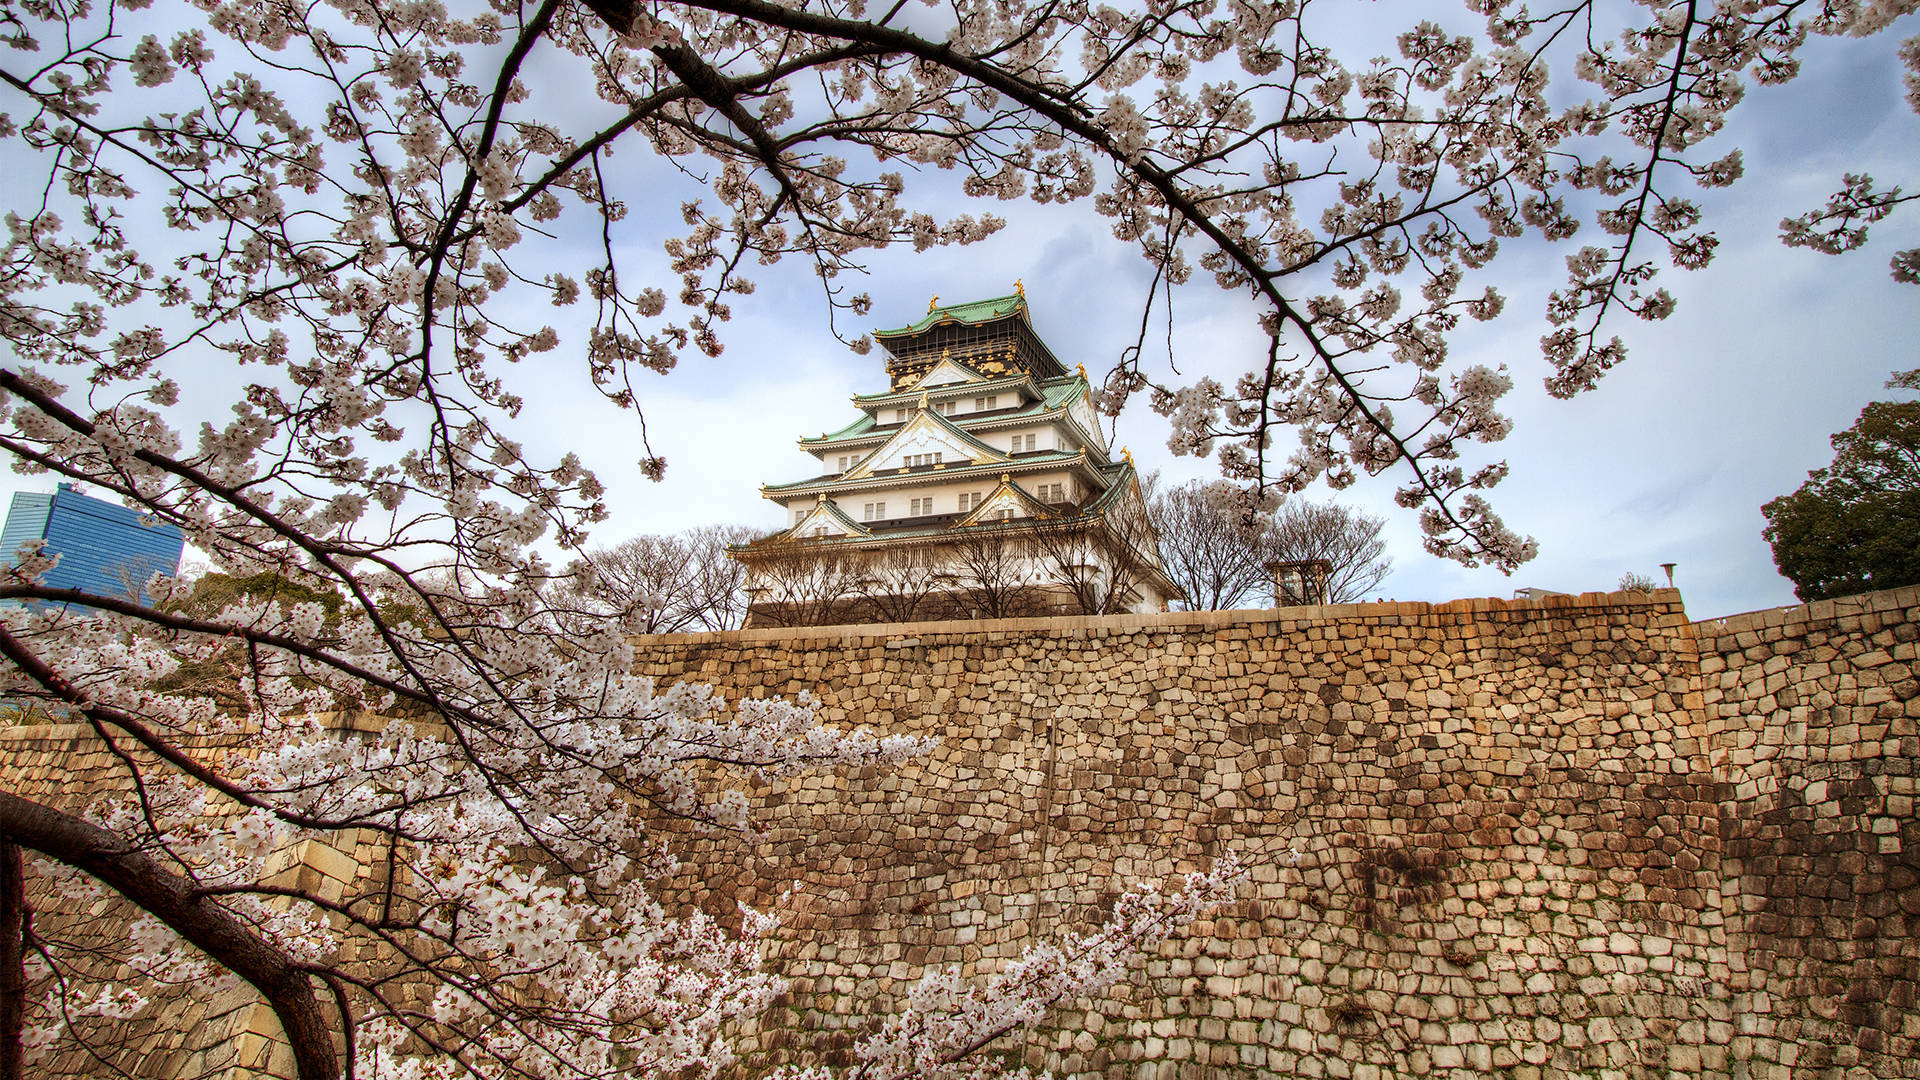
<point x="1019" y="289"/>
<point x="933" y="303"/>
<point x="923" y="401"/>
<point x="1082" y="369"/>
<point x="1006" y="477"/>
<point x="1128" y="454"/>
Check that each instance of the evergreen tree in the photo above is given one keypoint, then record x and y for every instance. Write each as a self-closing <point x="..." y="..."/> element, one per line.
<point x="1854" y="526"/>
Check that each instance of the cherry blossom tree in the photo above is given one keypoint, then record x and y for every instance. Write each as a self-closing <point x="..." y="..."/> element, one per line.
<point x="357" y="225"/>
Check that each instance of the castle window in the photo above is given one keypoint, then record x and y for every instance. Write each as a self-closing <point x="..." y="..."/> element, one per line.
<point x="1021" y="442"/>
<point x="970" y="499"/>
<point x="843" y="464"/>
<point x="945" y="408"/>
<point x="922" y="506"/>
<point x="1004" y="514"/>
<point x="1053" y="493"/>
<point x="982" y="404"/>
<point x="873" y="511"/>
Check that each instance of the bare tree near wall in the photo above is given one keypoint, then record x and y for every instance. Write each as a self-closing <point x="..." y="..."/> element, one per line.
<point x="1347" y="539"/>
<point x="994" y="572"/>
<point x="327" y="211"/>
<point x="647" y="579"/>
<point x="901" y="584"/>
<point x="719" y="580"/>
<point x="1635" y="582"/>
<point x="1215" y="544"/>
<point x="666" y="584"/>
<point x="806" y="584"/>
<point x="1100" y="564"/>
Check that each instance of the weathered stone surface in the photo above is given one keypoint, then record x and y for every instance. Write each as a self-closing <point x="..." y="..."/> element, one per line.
<point x="1502" y="811"/>
<point x="1579" y="837"/>
<point x="1820" y="844"/>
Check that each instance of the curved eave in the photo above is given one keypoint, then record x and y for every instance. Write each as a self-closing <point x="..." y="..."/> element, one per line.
<point x="834" y="485"/>
<point x="857" y="429"/>
<point x="951" y="390"/>
<point x="827" y="508"/>
<point x="1118" y="477"/>
<point x="903" y="537"/>
<point x="997" y="309"/>
<point x="944" y="534"/>
<point x="966" y="425"/>
<point x="1060" y="412"/>
<point x="1037" y="511"/>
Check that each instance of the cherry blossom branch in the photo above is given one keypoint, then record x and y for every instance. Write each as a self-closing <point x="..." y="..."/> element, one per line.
<point x="173" y="900"/>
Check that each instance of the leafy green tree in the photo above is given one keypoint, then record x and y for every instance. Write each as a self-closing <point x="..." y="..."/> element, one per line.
<point x="213" y="593"/>
<point x="1854" y="526"/>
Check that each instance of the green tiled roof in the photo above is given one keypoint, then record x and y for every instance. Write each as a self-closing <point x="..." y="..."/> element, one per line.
<point x="973" y="312"/>
<point x="862" y="426"/>
<point x="1119" y="477"/>
<point x="1024" y="461"/>
<point x="852" y="526"/>
<point x="1060" y="391"/>
<point x="1054" y="394"/>
<point x="997" y="382"/>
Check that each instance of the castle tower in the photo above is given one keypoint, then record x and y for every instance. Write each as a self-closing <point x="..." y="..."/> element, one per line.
<point x="984" y="449"/>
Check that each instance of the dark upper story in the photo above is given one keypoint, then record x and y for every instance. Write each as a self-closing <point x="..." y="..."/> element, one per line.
<point x="994" y="337"/>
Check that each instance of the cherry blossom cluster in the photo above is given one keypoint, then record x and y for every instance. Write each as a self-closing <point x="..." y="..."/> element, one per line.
<point x="947" y="1019"/>
<point x="360" y="227"/>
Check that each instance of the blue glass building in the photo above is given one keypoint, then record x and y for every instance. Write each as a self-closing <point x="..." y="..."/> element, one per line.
<point x="104" y="548"/>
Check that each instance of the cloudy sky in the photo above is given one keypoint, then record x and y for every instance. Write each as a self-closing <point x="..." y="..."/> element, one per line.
<point x="1723" y="406"/>
<point x="1719" y="408"/>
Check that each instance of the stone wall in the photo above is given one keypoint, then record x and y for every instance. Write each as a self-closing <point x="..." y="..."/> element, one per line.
<point x="1506" y="820"/>
<point x="1578" y="837"/>
<point x="1812" y="714"/>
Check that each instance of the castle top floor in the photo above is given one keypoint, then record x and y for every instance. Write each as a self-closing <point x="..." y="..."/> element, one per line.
<point x="994" y="337"/>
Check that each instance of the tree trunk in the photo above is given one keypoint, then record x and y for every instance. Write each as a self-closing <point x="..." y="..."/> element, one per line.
<point x="13" y="949"/>
<point x="175" y="902"/>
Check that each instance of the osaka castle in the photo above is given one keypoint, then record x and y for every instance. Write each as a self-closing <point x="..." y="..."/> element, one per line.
<point x="977" y="484"/>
